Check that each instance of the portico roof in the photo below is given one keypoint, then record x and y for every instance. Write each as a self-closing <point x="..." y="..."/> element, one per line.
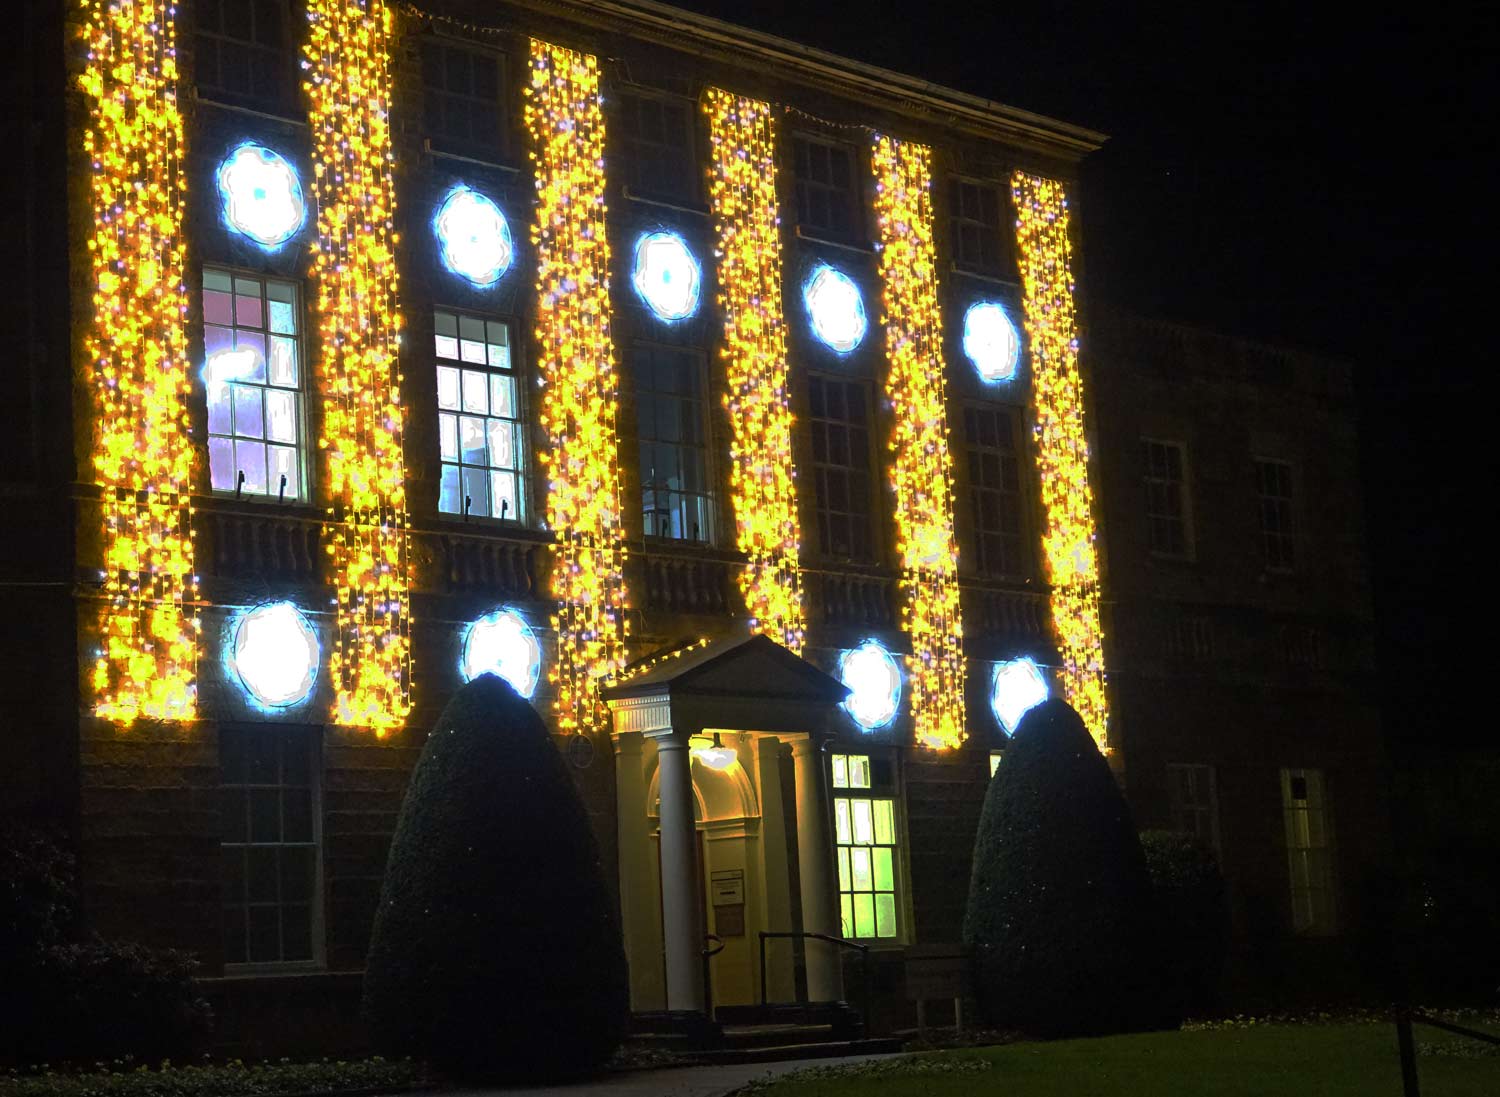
<point x="732" y="667"/>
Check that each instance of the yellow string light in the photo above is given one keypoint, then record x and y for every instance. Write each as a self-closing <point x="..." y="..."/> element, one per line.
<point x="348" y="85"/>
<point x="580" y="386"/>
<point x="137" y="341"/>
<point x="1045" y="254"/>
<point x="921" y="468"/>
<point x="742" y="189"/>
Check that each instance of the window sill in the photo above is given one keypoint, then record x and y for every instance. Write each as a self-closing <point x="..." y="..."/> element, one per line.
<point x="811" y="237"/>
<point x="238" y="108"/>
<point x="681" y="205"/>
<point x="993" y="277"/>
<point x="452" y="152"/>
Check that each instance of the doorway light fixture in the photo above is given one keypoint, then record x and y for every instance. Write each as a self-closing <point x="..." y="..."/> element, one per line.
<point x="711" y="751"/>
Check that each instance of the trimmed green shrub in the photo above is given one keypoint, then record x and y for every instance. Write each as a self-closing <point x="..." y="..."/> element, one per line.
<point x="1192" y="915"/>
<point x="1059" y="920"/>
<point x="496" y="951"/>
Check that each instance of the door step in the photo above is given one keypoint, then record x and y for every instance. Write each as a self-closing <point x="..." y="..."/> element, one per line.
<point x="776" y="1053"/>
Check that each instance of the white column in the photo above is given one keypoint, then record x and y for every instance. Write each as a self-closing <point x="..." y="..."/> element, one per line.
<point x="639" y="902"/>
<point x="825" y="982"/>
<point x="681" y="925"/>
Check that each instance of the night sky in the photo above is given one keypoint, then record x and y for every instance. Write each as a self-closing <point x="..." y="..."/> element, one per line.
<point x="1290" y="174"/>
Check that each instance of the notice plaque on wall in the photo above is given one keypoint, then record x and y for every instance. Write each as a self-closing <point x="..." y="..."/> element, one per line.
<point x="727" y="889"/>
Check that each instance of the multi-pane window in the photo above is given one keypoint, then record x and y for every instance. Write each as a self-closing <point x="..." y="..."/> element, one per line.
<point x="242" y="50"/>
<point x="1191" y="637"/>
<point x="269" y="813"/>
<point x="827" y="200"/>
<point x="1195" y="804"/>
<point x="462" y="97"/>
<point x="1273" y="485"/>
<point x="1309" y="850"/>
<point x="481" y="436"/>
<point x="864" y="822"/>
<point x="671" y="416"/>
<point x="840" y="426"/>
<point x="974" y="225"/>
<point x="1167" y="511"/>
<point x="656" y="137"/>
<point x="994" y="490"/>
<point x="254" y="381"/>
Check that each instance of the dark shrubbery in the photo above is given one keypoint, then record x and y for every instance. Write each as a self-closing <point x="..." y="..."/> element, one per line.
<point x="70" y="999"/>
<point x="496" y="951"/>
<point x="1192" y="914"/>
<point x="1059" y="919"/>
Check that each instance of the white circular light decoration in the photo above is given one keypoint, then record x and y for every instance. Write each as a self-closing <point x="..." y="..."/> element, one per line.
<point x="261" y="194"/>
<point x="274" y="651"/>
<point x="991" y="341"/>
<point x="474" y="236"/>
<point x="502" y="643"/>
<point x="874" y="680"/>
<point x="836" y="308"/>
<point x="666" y="275"/>
<point x="1017" y="688"/>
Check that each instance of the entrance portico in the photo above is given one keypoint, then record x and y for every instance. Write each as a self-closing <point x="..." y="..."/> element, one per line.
<point x="724" y="741"/>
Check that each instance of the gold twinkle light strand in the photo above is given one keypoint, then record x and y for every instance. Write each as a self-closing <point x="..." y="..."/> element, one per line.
<point x="348" y="84"/>
<point x="742" y="189"/>
<point x="137" y="343"/>
<point x="1045" y="256"/>
<point x="580" y="386"/>
<point x="921" y="467"/>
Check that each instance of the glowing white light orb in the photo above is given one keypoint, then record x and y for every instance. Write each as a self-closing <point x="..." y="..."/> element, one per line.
<point x="712" y="752"/>
<point x="666" y="275"/>
<point x="502" y="643"/>
<point x="474" y="236"/>
<point x="1017" y="688"/>
<point x="874" y="680"/>
<point x="991" y="341"/>
<point x="261" y="194"/>
<point x="275" y="654"/>
<point x="836" y="307"/>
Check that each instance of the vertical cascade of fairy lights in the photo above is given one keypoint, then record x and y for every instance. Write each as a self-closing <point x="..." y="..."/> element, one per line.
<point x="742" y="186"/>
<point x="137" y="344"/>
<point x="580" y="385"/>
<point x="1044" y="252"/>
<point x="921" y="467"/>
<point x="348" y="84"/>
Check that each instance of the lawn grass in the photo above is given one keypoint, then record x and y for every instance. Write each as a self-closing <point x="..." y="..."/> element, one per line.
<point x="1309" y="1060"/>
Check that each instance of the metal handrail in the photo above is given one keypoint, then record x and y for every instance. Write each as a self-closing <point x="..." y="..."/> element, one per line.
<point x="1404" y="1019"/>
<point x="864" y="961"/>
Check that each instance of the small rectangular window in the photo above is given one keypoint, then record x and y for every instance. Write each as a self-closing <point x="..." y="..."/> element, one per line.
<point x="677" y="502"/>
<point x="271" y="843"/>
<point x="255" y="385"/>
<point x="866" y="847"/>
<point x="481" y="426"/>
<point x="840" y="424"/>
<point x="1195" y="803"/>
<point x="1168" y="514"/>
<point x="655" y="136"/>
<point x="994" y="480"/>
<point x="243" y="52"/>
<point x="1309" y="848"/>
<point x="1273" y="485"/>
<point x="463" y="98"/>
<point x="827" y="193"/>
<point x="975" y="226"/>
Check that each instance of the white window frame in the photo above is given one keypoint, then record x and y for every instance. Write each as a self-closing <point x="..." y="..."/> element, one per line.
<point x="845" y="825"/>
<point x="520" y="437"/>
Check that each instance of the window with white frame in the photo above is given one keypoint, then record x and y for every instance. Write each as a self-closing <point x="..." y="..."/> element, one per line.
<point x="270" y="844"/>
<point x="1194" y="795"/>
<point x="241" y="51"/>
<point x="671" y="410"/>
<point x="1309" y="850"/>
<point x="1168" y="514"/>
<point x="655" y="133"/>
<point x="463" y="98"/>
<point x="255" y="385"/>
<point x="481" y="431"/>
<point x="976" y="222"/>
<point x="1273" y="485"/>
<point x="864" y="822"/>
<point x="826" y="189"/>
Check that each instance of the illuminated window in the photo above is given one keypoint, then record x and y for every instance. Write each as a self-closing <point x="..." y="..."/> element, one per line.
<point x="975" y="226"/>
<point x="677" y="501"/>
<point x="1309" y="851"/>
<point x="991" y="341"/>
<point x="836" y="309"/>
<point x="996" y="757"/>
<point x="242" y="52"/>
<point x="994" y="482"/>
<point x="463" y="99"/>
<point x="1278" y="534"/>
<point x="274" y="653"/>
<point x="1194" y="797"/>
<point x="481" y="432"/>
<point x="271" y="844"/>
<point x="864" y="821"/>
<point x="473" y="237"/>
<point x="261" y="196"/>
<point x="1167" y="506"/>
<point x="874" y="680"/>
<point x="502" y="643"/>
<point x="255" y="385"/>
<point x="655" y="138"/>
<point x="827" y="198"/>
<point x="1017" y="687"/>
<point x="666" y="275"/>
<point x="839" y="422"/>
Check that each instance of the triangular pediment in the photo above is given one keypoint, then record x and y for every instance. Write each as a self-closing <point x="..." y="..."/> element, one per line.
<point x="739" y="667"/>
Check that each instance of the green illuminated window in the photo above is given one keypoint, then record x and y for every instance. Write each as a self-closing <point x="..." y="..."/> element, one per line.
<point x="864" y="823"/>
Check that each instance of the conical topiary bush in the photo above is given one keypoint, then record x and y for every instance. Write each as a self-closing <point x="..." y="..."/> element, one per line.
<point x="496" y="951"/>
<point x="1059" y="917"/>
